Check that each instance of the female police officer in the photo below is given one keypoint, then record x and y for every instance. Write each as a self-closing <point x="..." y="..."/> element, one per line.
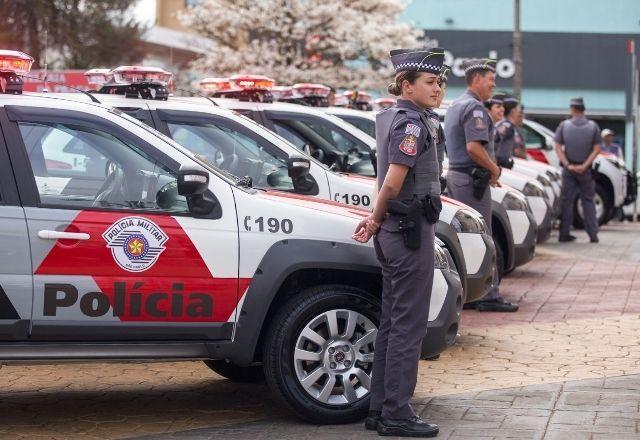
<point x="407" y="206"/>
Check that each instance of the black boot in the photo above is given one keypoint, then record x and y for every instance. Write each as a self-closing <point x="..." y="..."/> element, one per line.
<point x="566" y="239"/>
<point x="371" y="422"/>
<point x="413" y="427"/>
<point x="496" y="305"/>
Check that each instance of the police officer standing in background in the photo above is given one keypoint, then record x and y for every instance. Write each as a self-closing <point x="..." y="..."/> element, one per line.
<point x="577" y="145"/>
<point x="435" y="121"/>
<point x="406" y="210"/>
<point x="472" y="168"/>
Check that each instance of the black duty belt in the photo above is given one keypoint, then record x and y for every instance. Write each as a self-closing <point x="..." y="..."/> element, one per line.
<point x="465" y="170"/>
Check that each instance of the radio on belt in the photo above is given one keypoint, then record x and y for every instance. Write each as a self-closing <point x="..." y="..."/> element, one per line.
<point x="13" y="64"/>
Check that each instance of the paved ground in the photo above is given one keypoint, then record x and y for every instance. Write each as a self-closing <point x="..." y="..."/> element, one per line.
<point x="567" y="366"/>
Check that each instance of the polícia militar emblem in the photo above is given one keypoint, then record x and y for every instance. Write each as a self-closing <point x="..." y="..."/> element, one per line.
<point x="135" y="242"/>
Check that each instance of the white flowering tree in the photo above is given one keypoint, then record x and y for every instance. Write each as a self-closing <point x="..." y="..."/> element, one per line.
<point x="343" y="43"/>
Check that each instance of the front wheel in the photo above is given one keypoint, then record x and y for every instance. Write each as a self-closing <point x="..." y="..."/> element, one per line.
<point x="604" y="207"/>
<point x="319" y="350"/>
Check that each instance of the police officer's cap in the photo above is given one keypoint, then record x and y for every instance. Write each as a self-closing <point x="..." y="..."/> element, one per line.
<point x="577" y="102"/>
<point x="482" y="64"/>
<point x="417" y="60"/>
<point x="444" y="73"/>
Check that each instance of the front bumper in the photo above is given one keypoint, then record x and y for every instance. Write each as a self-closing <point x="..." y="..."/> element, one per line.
<point x="525" y="251"/>
<point x="442" y="332"/>
<point x="479" y="283"/>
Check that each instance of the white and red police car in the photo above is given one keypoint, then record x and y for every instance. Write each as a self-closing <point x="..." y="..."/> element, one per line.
<point x="118" y="243"/>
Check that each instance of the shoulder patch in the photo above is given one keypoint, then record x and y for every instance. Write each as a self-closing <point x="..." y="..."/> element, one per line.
<point x="409" y="145"/>
<point x="479" y="123"/>
<point x="478" y="114"/>
<point x="412" y="129"/>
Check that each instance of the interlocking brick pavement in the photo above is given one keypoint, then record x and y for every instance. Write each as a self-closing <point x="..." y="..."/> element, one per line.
<point x="567" y="366"/>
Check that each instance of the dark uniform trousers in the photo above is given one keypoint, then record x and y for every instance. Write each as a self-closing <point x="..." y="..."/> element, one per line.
<point x="460" y="187"/>
<point x="572" y="185"/>
<point x="406" y="294"/>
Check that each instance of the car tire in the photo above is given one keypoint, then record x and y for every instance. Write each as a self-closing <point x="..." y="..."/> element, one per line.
<point x="293" y="354"/>
<point x="235" y="373"/>
<point x="603" y="198"/>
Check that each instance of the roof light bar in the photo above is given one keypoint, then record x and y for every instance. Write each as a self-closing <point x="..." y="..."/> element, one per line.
<point x="98" y="76"/>
<point x="215" y="84"/>
<point x="251" y="82"/>
<point x="14" y="61"/>
<point x="141" y="74"/>
<point x="308" y="89"/>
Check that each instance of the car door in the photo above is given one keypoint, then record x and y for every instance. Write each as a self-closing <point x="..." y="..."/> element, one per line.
<point x="16" y="283"/>
<point x="116" y="252"/>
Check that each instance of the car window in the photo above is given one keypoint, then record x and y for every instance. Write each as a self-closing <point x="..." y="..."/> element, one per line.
<point x="289" y="135"/>
<point x="532" y="139"/>
<point x="84" y="167"/>
<point x="363" y="124"/>
<point x="235" y="152"/>
<point x="325" y="142"/>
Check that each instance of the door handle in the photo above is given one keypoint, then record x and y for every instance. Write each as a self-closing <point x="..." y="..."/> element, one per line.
<point x="58" y="235"/>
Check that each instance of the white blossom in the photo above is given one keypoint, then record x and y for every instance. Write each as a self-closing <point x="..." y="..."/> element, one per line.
<point x="342" y="43"/>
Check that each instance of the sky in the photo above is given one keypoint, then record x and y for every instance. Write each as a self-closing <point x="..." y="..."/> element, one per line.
<point x="145" y="11"/>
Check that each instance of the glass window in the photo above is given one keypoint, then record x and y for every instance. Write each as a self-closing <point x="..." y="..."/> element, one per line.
<point x="235" y="152"/>
<point x="363" y="124"/>
<point x="325" y="141"/>
<point x="83" y="167"/>
<point x="531" y="138"/>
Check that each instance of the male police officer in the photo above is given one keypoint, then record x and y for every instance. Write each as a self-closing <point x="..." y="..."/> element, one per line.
<point x="507" y="132"/>
<point x="472" y="167"/>
<point x="577" y="145"/>
<point x="438" y="134"/>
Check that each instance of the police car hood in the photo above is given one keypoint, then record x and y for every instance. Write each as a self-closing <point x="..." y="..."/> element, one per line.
<point x="308" y="202"/>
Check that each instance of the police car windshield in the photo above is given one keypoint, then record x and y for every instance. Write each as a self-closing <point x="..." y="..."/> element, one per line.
<point x="176" y="145"/>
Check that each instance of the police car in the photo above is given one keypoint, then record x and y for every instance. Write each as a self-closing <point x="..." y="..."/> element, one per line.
<point x="510" y="216"/>
<point x="118" y="243"/>
<point x="615" y="185"/>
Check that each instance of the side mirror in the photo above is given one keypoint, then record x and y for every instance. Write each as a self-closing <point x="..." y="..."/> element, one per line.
<point x="298" y="168"/>
<point x="193" y="183"/>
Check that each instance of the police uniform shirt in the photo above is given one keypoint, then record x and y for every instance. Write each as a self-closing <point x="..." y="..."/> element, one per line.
<point x="578" y="135"/>
<point x="467" y="121"/>
<point x="505" y="139"/>
<point x="437" y="133"/>
<point x="407" y="140"/>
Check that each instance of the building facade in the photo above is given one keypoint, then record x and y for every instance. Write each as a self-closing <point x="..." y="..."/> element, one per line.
<point x="569" y="48"/>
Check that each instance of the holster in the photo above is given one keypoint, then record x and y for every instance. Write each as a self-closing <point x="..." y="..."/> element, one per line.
<point x="432" y="205"/>
<point x="505" y="163"/>
<point x="481" y="178"/>
<point x="410" y="221"/>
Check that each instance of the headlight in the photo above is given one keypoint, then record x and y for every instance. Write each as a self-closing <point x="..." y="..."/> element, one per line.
<point x="554" y="177"/>
<point x="440" y="260"/>
<point x="514" y="202"/>
<point x="533" y="189"/>
<point x="544" y="180"/>
<point x="615" y="162"/>
<point x="466" y="221"/>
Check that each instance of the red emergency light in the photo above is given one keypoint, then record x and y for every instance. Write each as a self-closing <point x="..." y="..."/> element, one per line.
<point x="283" y="92"/>
<point x="98" y="76"/>
<point x="215" y="84"/>
<point x="308" y="89"/>
<point x="141" y="74"/>
<point x="358" y="95"/>
<point x="14" y="61"/>
<point x="385" y="102"/>
<point x="251" y="82"/>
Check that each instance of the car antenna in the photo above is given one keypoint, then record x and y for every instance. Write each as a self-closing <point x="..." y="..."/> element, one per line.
<point x="90" y="95"/>
<point x="192" y="93"/>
